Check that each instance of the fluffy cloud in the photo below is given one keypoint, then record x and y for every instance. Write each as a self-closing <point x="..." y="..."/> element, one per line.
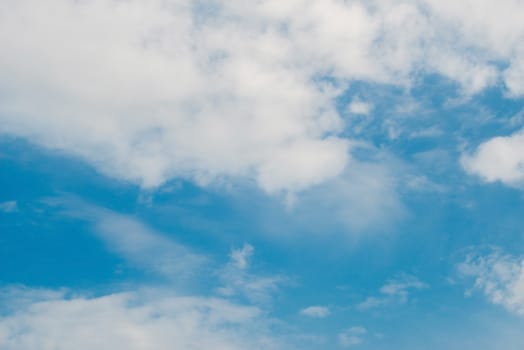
<point x="145" y="319"/>
<point x="147" y="92"/>
<point x="499" y="159"/>
<point x="211" y="89"/>
<point x="499" y="276"/>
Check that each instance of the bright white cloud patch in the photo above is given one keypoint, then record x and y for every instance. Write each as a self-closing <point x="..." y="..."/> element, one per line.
<point x="146" y="319"/>
<point x="316" y="311"/>
<point x="499" y="159"/>
<point x="499" y="276"/>
<point x="148" y="91"/>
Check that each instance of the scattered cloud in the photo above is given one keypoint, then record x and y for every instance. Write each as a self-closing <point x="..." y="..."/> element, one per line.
<point x="395" y="291"/>
<point x="400" y="286"/>
<point x="352" y="336"/>
<point x="145" y="317"/>
<point x="316" y="311"/>
<point x="499" y="276"/>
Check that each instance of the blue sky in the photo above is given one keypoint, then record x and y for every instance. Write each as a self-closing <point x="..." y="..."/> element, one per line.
<point x="231" y="175"/>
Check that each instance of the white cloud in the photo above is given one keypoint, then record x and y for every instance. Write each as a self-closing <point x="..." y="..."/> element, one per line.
<point x="499" y="276"/>
<point x="143" y="319"/>
<point x="9" y="207"/>
<point x="316" y="311"/>
<point x="352" y="336"/>
<point x="148" y="91"/>
<point x="498" y="159"/>
<point x="395" y="291"/>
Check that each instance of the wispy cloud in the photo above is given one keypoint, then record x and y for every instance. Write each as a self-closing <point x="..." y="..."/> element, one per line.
<point x="140" y="245"/>
<point x="238" y="281"/>
<point x="395" y="291"/>
<point x="9" y="207"/>
<point x="240" y="257"/>
<point x="352" y="336"/>
<point x="499" y="276"/>
<point x="144" y="317"/>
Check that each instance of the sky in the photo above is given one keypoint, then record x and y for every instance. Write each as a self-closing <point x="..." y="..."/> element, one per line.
<point x="264" y="174"/>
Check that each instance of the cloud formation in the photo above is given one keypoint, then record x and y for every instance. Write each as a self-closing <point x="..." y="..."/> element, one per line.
<point x="144" y="319"/>
<point x="499" y="276"/>
<point x="215" y="89"/>
<point x="154" y="317"/>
